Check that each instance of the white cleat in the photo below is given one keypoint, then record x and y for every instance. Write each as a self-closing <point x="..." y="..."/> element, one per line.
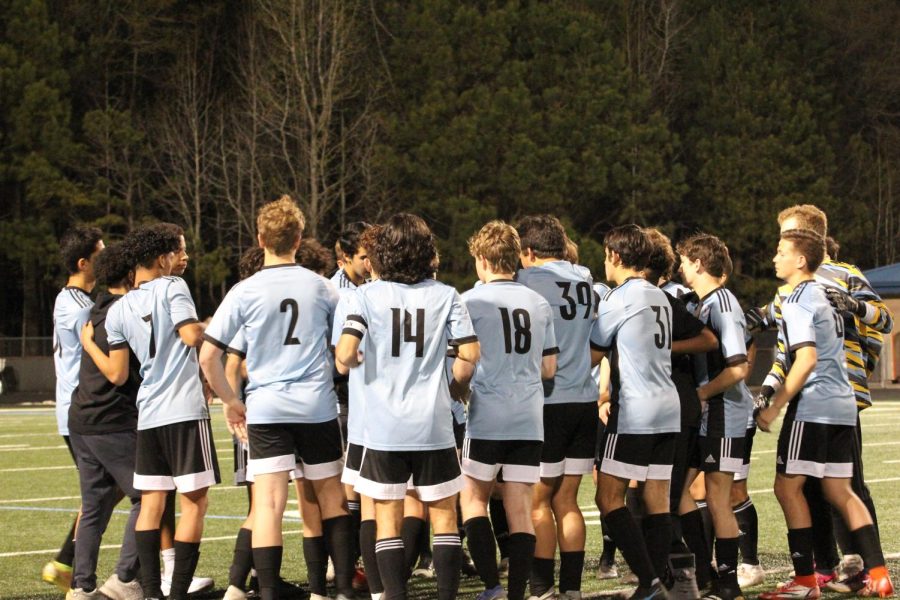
<point x="116" y="589"/>
<point x="750" y="575"/>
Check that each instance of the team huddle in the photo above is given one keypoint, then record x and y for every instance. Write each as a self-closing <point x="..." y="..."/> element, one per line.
<point x="393" y="402"/>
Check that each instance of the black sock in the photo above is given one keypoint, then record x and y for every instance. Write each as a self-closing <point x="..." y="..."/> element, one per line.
<point x="147" y="543"/>
<point x="726" y="560"/>
<point x="338" y="533"/>
<point x="824" y="552"/>
<point x="677" y="544"/>
<point x="355" y="519"/>
<point x="66" y="554"/>
<point x="695" y="537"/>
<point x="865" y="540"/>
<point x="521" y="554"/>
<point x="634" y="502"/>
<point x="242" y="559"/>
<point x="800" y="543"/>
<point x="748" y="523"/>
<point x="410" y="531"/>
<point x="268" y="567"/>
<point x="571" y="565"/>
<point x="482" y="550"/>
<point x="841" y="534"/>
<point x="447" y="554"/>
<point x="541" y="575"/>
<point x="608" y="554"/>
<point x="870" y="504"/>
<point x="316" y="558"/>
<point x="423" y="544"/>
<point x="709" y="531"/>
<point x="628" y="538"/>
<point x="186" y="556"/>
<point x="367" y="549"/>
<point x="658" y="537"/>
<point x="392" y="567"/>
<point x="500" y="525"/>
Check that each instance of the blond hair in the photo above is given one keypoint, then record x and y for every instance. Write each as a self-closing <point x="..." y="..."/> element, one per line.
<point x="499" y="244"/>
<point x="280" y="224"/>
<point x="808" y="216"/>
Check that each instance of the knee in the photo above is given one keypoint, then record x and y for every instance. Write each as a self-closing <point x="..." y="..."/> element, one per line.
<point x="785" y="493"/>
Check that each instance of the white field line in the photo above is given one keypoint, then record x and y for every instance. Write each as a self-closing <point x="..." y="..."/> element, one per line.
<point x="21" y="435"/>
<point x="48" y="499"/>
<point x="32" y="448"/>
<point x="30" y="469"/>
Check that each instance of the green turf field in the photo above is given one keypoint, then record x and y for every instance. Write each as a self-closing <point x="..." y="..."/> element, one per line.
<point x="39" y="497"/>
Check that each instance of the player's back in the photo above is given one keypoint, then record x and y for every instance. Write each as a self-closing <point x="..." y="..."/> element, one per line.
<point x="568" y="290"/>
<point x="71" y="311"/>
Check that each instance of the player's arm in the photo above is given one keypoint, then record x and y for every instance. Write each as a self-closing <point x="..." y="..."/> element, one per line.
<point x="803" y="365"/>
<point x="214" y="369"/>
<point x="467" y="355"/>
<point x="346" y="353"/>
<point x="705" y="341"/>
<point x="191" y="334"/>
<point x="548" y="366"/>
<point x="115" y="366"/>
<point x="729" y="376"/>
<point x="234" y="370"/>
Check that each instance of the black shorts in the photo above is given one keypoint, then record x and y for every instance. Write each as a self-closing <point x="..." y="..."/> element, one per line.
<point x="71" y="451"/>
<point x="314" y="449"/>
<point x="513" y="460"/>
<point x="570" y="439"/>
<point x="685" y="447"/>
<point x="459" y="434"/>
<point x="385" y="474"/>
<point x="718" y="454"/>
<point x="179" y="456"/>
<point x="638" y="456"/>
<point x="815" y="449"/>
<point x="352" y="463"/>
<point x="748" y="452"/>
<point x="241" y="457"/>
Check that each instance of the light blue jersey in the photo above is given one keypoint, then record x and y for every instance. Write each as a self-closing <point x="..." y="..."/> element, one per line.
<point x="285" y="312"/>
<point x="356" y="387"/>
<point x="342" y="282"/>
<point x="600" y="290"/>
<point x="808" y="319"/>
<point x="147" y="319"/>
<point x="515" y="327"/>
<point x="568" y="289"/>
<point x="635" y="325"/>
<point x="405" y="330"/>
<point x="71" y="311"/>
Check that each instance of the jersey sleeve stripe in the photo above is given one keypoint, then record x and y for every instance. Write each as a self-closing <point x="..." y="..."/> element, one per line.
<point x="796" y="347"/>
<point x="118" y="346"/>
<point x="464" y="340"/>
<point x="599" y="348"/>
<point x="550" y="351"/>
<point x="220" y="345"/>
<point x="181" y="324"/>
<point x="230" y="350"/>
<point x="737" y="359"/>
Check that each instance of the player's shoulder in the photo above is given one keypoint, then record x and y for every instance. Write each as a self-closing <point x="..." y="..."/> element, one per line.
<point x="71" y="300"/>
<point x="722" y="300"/>
<point x="840" y="269"/>
<point x="805" y="294"/>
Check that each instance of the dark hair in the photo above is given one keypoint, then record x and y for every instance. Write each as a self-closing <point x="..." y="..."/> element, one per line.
<point x="314" y="256"/>
<point x="176" y="229"/>
<point x="77" y="243"/>
<point x="544" y="234"/>
<point x="631" y="244"/>
<point x="710" y="251"/>
<point x="251" y="261"/>
<point x="348" y="241"/>
<point x="662" y="257"/>
<point x="368" y="239"/>
<point x="113" y="266"/>
<point x="146" y="243"/>
<point x="832" y="247"/>
<point x="405" y="249"/>
<point x="807" y="243"/>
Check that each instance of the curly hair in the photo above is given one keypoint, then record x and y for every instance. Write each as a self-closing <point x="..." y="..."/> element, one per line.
<point x="314" y="256"/>
<point x="631" y="244"/>
<point x="544" y="235"/>
<point x="368" y="240"/>
<point x="280" y="224"/>
<point x="710" y="251"/>
<point x="499" y="244"/>
<point x="662" y="257"/>
<point x="251" y="261"/>
<point x="77" y="243"/>
<point x="405" y="250"/>
<point x="114" y="267"/>
<point x="147" y="243"/>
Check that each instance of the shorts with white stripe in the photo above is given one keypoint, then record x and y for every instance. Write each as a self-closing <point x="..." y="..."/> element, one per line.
<point x="385" y="474"/>
<point x="178" y="456"/>
<point x="570" y="439"/>
<point x="241" y="456"/>
<point x="815" y="449"/>
<point x="512" y="460"/>
<point x="714" y="454"/>
<point x="638" y="456"/>
<point x="352" y="463"/>
<point x="315" y="450"/>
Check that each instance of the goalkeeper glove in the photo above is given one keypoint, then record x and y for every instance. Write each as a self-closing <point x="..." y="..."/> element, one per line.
<point x="844" y="302"/>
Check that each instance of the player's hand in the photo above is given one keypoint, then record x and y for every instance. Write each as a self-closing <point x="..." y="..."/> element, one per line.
<point x="766" y="417"/>
<point x="761" y="401"/>
<point x="844" y="302"/>
<point x="604" y="410"/>
<point x="236" y="419"/>
<point x="756" y="320"/>
<point x="87" y="333"/>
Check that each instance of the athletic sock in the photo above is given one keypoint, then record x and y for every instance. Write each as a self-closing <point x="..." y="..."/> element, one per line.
<point x="267" y="561"/>
<point x="571" y="566"/>
<point x="695" y="537"/>
<point x="865" y="540"/>
<point x="316" y="558"/>
<point x="500" y="525"/>
<point x="447" y="553"/>
<point x="186" y="556"/>
<point x="338" y="535"/>
<point x="870" y="504"/>
<point x="392" y="567"/>
<point x="521" y="554"/>
<point x="825" y="555"/>
<point x="748" y="523"/>
<point x="355" y="519"/>
<point x="726" y="561"/>
<point x="634" y="502"/>
<point x="410" y="531"/>
<point x="66" y="554"/>
<point x="242" y="560"/>
<point x="677" y="543"/>
<point x="168" y="562"/>
<point x="709" y="531"/>
<point x="658" y="537"/>
<point x="147" y="543"/>
<point x="367" y="549"/>
<point x="541" y="575"/>
<point x="628" y="538"/>
<point x="800" y="543"/>
<point x="608" y="554"/>
<point x="482" y="550"/>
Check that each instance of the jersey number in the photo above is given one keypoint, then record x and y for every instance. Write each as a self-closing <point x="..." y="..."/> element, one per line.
<point x="838" y="324"/>
<point x="662" y="339"/>
<point x="583" y="297"/>
<point x="149" y="319"/>
<point x="516" y="331"/>
<point x="408" y="336"/>
<point x="290" y="303"/>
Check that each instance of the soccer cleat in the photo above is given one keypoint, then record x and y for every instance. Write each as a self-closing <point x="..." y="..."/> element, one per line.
<point x="360" y="583"/>
<point x="116" y="589"/>
<point x="492" y="594"/>
<point x="58" y="574"/>
<point x="424" y="569"/>
<point x="234" y="593"/>
<point x="750" y="575"/>
<point x="657" y="591"/>
<point x="569" y="595"/>
<point x="823" y="578"/>
<point x="377" y="596"/>
<point x="630" y="579"/>
<point x="877" y="587"/>
<point x="548" y="595"/>
<point x="723" y="592"/>
<point x="80" y="594"/>
<point x="684" y="577"/>
<point x="198" y="585"/>
<point x="607" y="571"/>
<point x="791" y="590"/>
<point x="849" y="584"/>
<point x="851" y="564"/>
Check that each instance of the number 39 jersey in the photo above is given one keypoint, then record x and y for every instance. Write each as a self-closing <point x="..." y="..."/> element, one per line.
<point x="285" y="314"/>
<point x="148" y="318"/>
<point x="405" y="330"/>
<point x="515" y="328"/>
<point x="635" y="325"/>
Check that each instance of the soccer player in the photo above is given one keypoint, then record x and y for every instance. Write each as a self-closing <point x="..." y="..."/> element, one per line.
<point x="157" y="320"/>
<point x="635" y="327"/>
<point x="353" y="270"/>
<point x="397" y="334"/>
<point x="315" y="257"/>
<point x="570" y="405"/>
<point x="102" y="429"/>
<point x="78" y="248"/>
<point x="504" y="431"/>
<point x="727" y="402"/>
<point x="285" y="313"/>
<point x="817" y="435"/>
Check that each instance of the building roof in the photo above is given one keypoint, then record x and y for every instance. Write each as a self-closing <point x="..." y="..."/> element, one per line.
<point x="885" y="280"/>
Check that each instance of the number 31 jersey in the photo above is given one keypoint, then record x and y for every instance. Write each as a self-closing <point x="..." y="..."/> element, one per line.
<point x="285" y="314"/>
<point x="405" y="330"/>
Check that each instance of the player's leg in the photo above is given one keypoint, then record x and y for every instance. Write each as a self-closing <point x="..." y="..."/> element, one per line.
<point x="367" y="546"/>
<point x="521" y="471"/>
<point x="480" y="466"/>
<point x="315" y="552"/>
<point x="146" y="535"/>
<point x="242" y="558"/>
<point x="657" y="523"/>
<point x="414" y="524"/>
<point x="542" y="567"/>
<point x="750" y="572"/>
<point x="719" y="478"/>
<point x="269" y="499"/>
<point x="58" y="571"/>
<point x="692" y="527"/>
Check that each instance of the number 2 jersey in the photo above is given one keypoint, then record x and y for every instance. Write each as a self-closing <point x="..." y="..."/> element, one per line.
<point x="147" y="319"/>
<point x="284" y="313"/>
<point x="405" y="330"/>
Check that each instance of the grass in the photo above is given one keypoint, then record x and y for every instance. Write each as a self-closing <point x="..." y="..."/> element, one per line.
<point x="39" y="489"/>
